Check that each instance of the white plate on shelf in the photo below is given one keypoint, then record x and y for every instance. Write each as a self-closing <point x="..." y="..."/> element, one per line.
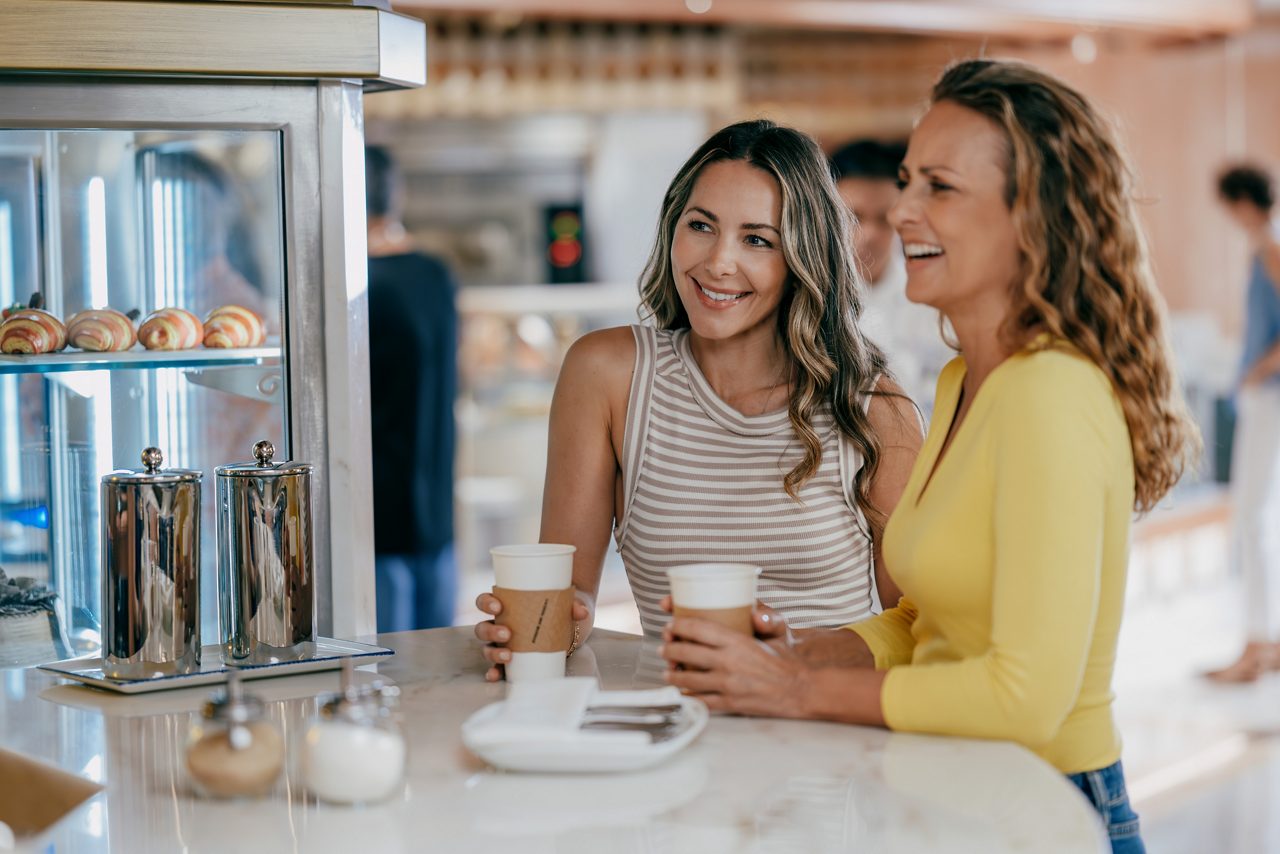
<point x="213" y="670"/>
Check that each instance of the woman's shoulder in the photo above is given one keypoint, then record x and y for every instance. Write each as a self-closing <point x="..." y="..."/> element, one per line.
<point x="605" y="354"/>
<point x="1056" y="368"/>
<point x="609" y="342"/>
<point x="1058" y="382"/>
<point x="895" y="418"/>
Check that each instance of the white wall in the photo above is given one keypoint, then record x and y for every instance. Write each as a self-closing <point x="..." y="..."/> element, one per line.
<point x="635" y="156"/>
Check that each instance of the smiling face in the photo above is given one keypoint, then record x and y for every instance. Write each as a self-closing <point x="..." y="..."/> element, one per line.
<point x="726" y="254"/>
<point x="957" y="231"/>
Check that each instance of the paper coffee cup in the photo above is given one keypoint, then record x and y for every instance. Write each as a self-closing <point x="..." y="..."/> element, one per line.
<point x="722" y="592"/>
<point x="534" y="583"/>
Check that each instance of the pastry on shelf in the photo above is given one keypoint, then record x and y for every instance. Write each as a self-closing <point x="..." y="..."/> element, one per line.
<point x="101" y="330"/>
<point x="233" y="326"/>
<point x="31" y="331"/>
<point x="36" y="301"/>
<point x="171" y="329"/>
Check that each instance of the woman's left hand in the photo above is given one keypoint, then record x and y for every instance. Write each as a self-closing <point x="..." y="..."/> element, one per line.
<point x="732" y="672"/>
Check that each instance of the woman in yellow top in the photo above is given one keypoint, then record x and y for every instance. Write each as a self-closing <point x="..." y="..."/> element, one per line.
<point x="1061" y="416"/>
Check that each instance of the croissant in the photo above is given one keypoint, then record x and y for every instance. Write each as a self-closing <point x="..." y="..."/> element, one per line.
<point x="233" y="326"/>
<point x="171" y="329"/>
<point x="30" y="331"/>
<point x="103" y="330"/>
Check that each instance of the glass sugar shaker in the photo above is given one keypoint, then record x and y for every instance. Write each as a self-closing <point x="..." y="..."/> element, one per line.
<point x="355" y="751"/>
<point x="233" y="751"/>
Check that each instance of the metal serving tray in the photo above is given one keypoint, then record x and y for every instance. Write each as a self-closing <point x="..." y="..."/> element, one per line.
<point x="213" y="670"/>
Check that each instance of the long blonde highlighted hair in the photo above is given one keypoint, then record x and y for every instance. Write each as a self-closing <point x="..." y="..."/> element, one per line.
<point x="1085" y="270"/>
<point x="831" y="360"/>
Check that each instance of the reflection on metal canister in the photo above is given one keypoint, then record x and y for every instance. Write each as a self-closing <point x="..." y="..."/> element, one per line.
<point x="266" y="578"/>
<point x="151" y="570"/>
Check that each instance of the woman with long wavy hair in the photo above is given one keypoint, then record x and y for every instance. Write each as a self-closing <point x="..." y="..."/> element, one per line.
<point x="1061" y="416"/>
<point x="750" y="421"/>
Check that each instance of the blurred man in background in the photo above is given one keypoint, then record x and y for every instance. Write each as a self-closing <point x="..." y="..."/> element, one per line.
<point x="1248" y="195"/>
<point x="866" y="172"/>
<point x="413" y="346"/>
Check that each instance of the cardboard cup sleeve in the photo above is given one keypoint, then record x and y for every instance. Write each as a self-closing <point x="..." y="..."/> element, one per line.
<point x="539" y="620"/>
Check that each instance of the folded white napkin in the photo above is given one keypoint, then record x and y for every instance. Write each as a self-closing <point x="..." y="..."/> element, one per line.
<point x="552" y="710"/>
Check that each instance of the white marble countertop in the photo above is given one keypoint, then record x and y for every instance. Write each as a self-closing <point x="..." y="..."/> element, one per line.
<point x="749" y="785"/>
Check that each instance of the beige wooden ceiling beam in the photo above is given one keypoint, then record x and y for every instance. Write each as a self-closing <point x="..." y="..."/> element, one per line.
<point x="1045" y="18"/>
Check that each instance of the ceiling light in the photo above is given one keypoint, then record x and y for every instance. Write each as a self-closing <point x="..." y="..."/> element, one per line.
<point x="1084" y="48"/>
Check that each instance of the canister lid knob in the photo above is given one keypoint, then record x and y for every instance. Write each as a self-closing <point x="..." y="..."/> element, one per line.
<point x="152" y="459"/>
<point x="263" y="452"/>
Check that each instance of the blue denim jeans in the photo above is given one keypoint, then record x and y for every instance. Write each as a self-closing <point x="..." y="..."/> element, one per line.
<point x="1105" y="789"/>
<point x="415" y="591"/>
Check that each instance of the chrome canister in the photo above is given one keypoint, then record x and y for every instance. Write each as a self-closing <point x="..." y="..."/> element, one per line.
<point x="150" y="570"/>
<point x="266" y="578"/>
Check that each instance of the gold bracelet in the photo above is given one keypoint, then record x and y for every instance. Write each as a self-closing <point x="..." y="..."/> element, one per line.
<point x="577" y="639"/>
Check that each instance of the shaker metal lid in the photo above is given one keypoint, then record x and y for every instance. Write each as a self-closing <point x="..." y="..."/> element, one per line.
<point x="152" y="473"/>
<point x="263" y="452"/>
<point x="233" y="706"/>
<point x="359" y="704"/>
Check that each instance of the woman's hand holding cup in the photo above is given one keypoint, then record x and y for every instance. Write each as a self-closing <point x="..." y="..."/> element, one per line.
<point x="726" y="647"/>
<point x="767" y="623"/>
<point x="495" y="637"/>
<point x="535" y="611"/>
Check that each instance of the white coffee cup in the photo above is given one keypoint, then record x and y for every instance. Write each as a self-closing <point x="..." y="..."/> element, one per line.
<point x="540" y="566"/>
<point x="722" y="592"/>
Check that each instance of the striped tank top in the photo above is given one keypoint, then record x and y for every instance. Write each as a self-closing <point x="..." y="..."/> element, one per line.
<point x="703" y="483"/>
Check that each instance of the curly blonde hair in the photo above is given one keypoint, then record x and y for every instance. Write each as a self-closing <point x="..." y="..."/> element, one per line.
<point x="831" y="360"/>
<point x="1085" y="276"/>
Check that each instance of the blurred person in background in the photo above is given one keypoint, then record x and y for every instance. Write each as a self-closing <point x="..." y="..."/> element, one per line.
<point x="866" y="172"/>
<point x="1060" y="418"/>
<point x="751" y="420"/>
<point x="413" y="346"/>
<point x="1248" y="195"/>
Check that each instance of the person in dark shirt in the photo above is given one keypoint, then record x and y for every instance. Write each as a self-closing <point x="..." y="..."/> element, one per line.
<point x="413" y="336"/>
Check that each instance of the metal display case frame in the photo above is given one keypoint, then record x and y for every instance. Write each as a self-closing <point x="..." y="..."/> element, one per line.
<point x="300" y="71"/>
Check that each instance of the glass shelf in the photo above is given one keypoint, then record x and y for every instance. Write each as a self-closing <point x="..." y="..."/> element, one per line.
<point x="50" y="363"/>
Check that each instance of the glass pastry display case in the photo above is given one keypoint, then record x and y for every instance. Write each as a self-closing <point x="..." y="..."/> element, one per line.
<point x="181" y="196"/>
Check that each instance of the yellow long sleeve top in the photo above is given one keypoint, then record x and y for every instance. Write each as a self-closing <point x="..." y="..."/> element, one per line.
<point x="1012" y="560"/>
